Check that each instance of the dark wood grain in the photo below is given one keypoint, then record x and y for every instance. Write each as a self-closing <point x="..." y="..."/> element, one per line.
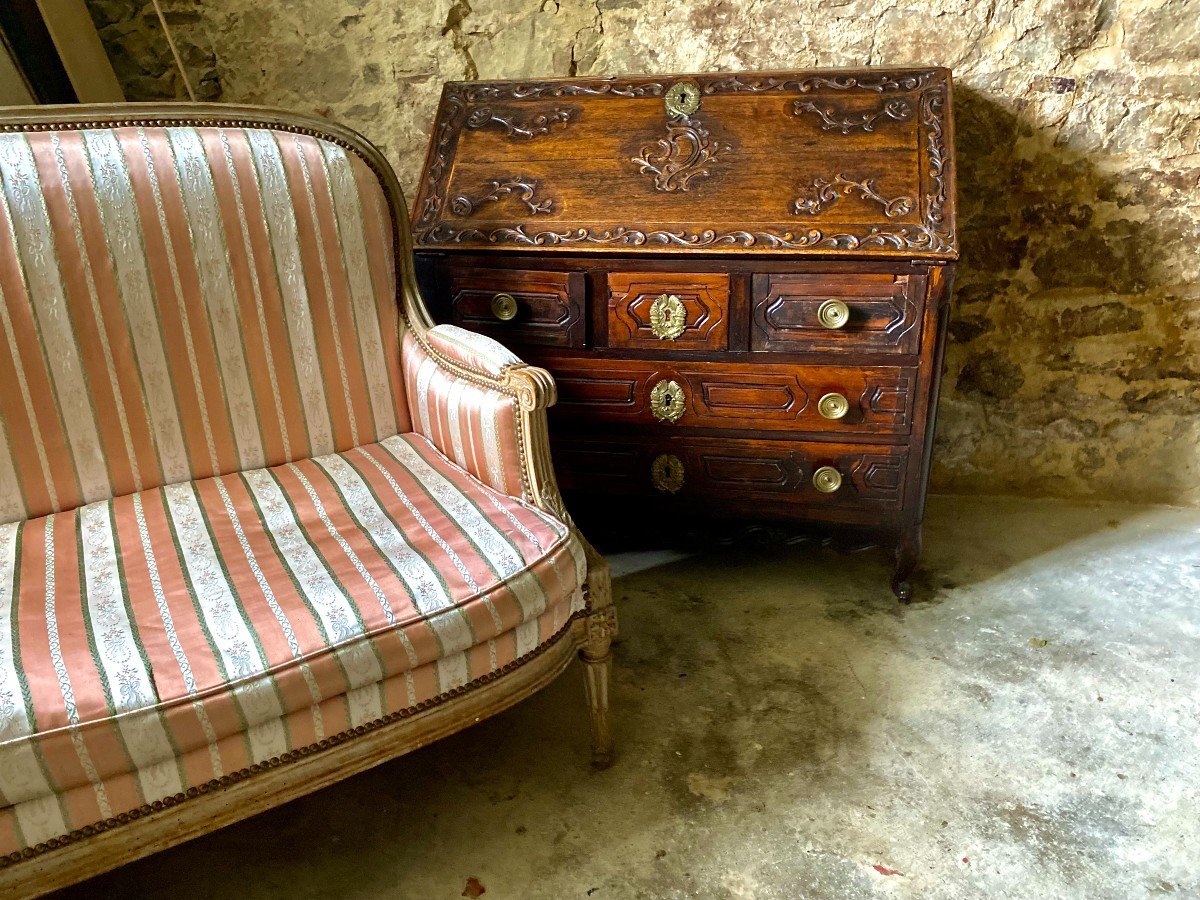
<point x="791" y="163"/>
<point x="550" y="305"/>
<point x="885" y="312"/>
<point x="705" y="299"/>
<point x="738" y="473"/>
<point x="750" y="397"/>
<point x="780" y="192"/>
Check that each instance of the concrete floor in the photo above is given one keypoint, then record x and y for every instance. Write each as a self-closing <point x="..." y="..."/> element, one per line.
<point x="1027" y="728"/>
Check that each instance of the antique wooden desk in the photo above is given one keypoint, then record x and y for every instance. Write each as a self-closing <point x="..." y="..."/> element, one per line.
<point x="739" y="281"/>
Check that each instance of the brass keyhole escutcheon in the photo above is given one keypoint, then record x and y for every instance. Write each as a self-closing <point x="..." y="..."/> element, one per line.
<point x="668" y="318"/>
<point x="504" y="307"/>
<point x="666" y="401"/>
<point x="833" y="406"/>
<point x="666" y="472"/>
<point x="827" y="479"/>
<point x="682" y="98"/>
<point x="833" y="314"/>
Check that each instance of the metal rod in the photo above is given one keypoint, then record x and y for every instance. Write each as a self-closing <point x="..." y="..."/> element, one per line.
<point x="174" y="51"/>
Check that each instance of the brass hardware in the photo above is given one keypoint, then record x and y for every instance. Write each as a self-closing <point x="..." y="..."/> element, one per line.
<point x="683" y="98"/>
<point x="667" y="473"/>
<point x="666" y="401"/>
<point x="833" y="314"/>
<point x="504" y="307"/>
<point x="833" y="406"/>
<point x="667" y="317"/>
<point x="827" y="479"/>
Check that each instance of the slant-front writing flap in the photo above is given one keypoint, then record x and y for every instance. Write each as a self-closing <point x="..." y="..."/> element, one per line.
<point x="804" y="162"/>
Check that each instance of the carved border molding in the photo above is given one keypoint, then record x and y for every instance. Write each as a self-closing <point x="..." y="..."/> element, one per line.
<point x="933" y="235"/>
<point x="834" y="119"/>
<point x="879" y="83"/>
<point x="516" y="128"/>
<point x="904" y="237"/>
<point x="830" y="191"/>
<point x="533" y="90"/>
<point x="524" y="189"/>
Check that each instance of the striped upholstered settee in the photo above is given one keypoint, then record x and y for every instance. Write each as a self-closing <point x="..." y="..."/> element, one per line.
<point x="261" y="524"/>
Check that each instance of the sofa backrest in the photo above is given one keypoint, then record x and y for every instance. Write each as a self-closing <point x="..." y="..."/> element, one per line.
<point x="184" y="301"/>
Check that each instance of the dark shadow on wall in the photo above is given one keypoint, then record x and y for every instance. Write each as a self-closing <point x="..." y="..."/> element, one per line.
<point x="1063" y="343"/>
<point x="133" y="38"/>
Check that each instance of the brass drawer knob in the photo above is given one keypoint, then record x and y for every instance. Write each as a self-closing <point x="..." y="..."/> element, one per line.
<point x="833" y="314"/>
<point x="833" y="406"/>
<point x="504" y="307"/>
<point x="667" y="317"/>
<point x="666" y="401"/>
<point x="827" y="479"/>
<point x="666" y="472"/>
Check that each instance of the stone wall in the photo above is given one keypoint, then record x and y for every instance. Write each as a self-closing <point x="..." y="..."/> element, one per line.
<point x="1074" y="362"/>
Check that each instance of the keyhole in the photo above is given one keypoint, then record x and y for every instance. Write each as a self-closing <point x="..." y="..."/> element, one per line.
<point x="670" y="399"/>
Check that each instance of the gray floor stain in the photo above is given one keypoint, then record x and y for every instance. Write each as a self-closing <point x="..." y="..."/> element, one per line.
<point x="1027" y="729"/>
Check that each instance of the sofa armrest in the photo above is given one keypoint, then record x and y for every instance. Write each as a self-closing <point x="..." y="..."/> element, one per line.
<point x="482" y="407"/>
<point x="471" y="350"/>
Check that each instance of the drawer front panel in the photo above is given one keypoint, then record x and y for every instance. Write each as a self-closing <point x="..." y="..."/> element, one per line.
<point x="803" y="313"/>
<point x="751" y="397"/>
<point x="549" y="306"/>
<point x="867" y="477"/>
<point x="668" y="310"/>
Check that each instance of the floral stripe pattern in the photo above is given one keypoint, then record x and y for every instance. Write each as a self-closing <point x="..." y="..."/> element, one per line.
<point x="472" y="425"/>
<point x="180" y="303"/>
<point x="153" y="642"/>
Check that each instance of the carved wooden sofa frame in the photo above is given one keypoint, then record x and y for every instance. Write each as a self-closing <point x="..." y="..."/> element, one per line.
<point x="239" y="794"/>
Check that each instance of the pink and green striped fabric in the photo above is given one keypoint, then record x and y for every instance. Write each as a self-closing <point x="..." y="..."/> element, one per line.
<point x="185" y="302"/>
<point x="243" y="511"/>
<point x="472" y="425"/>
<point x="157" y="641"/>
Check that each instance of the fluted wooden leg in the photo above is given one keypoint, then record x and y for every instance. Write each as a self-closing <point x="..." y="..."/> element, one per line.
<point x="595" y="650"/>
<point x="596" y="654"/>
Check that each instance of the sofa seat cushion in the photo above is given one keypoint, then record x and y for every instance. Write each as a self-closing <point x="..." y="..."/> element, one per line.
<point x="154" y="642"/>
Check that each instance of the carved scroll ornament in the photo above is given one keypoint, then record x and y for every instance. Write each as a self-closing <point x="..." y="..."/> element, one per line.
<point x="683" y="155"/>
<point x="522" y="188"/>
<point x="935" y="232"/>
<point x="828" y="191"/>
<point x="517" y="128"/>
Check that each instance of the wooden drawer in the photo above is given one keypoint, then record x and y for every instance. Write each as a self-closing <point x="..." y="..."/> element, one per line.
<point x="549" y="305"/>
<point x="668" y="310"/>
<point x="745" y="472"/>
<point x="884" y="313"/>
<point x="746" y="396"/>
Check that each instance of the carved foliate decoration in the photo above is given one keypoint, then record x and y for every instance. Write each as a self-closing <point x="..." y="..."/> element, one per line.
<point x="666" y="473"/>
<point x="834" y="119"/>
<point x="517" y="128"/>
<point x="932" y="102"/>
<point x="683" y="98"/>
<point x="668" y="318"/>
<point x="914" y="237"/>
<point x="666" y="401"/>
<point x="827" y="192"/>
<point x="675" y="160"/>
<point x="601" y="626"/>
<point x="522" y="188"/>
<point x="517" y="90"/>
<point x="879" y="83"/>
<point x="684" y="154"/>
